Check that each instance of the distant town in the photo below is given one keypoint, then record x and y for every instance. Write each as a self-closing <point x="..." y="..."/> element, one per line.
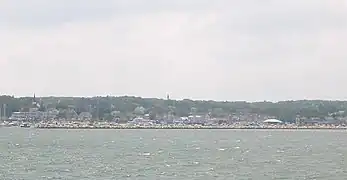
<point x="129" y="111"/>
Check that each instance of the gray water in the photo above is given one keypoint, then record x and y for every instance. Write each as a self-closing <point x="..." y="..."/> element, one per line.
<point x="32" y="154"/>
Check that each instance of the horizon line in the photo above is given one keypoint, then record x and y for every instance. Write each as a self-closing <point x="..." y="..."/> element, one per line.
<point x="177" y="99"/>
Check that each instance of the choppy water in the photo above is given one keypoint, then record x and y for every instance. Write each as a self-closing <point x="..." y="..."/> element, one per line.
<point x="32" y="154"/>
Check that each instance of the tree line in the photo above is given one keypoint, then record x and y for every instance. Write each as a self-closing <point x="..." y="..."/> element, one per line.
<point x="128" y="107"/>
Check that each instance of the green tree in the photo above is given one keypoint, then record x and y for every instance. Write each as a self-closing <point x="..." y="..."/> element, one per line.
<point x="139" y="111"/>
<point x="130" y="106"/>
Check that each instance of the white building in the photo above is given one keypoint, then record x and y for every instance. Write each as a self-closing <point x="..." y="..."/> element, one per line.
<point x="34" y="115"/>
<point x="196" y="119"/>
<point x="141" y="121"/>
<point x="272" y="121"/>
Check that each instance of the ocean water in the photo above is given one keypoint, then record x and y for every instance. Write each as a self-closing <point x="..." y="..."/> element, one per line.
<point x="34" y="154"/>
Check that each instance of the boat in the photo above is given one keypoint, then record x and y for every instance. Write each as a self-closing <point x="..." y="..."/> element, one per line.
<point x="25" y="125"/>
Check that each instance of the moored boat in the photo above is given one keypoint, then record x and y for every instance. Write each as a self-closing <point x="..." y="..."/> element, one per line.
<point x="25" y="125"/>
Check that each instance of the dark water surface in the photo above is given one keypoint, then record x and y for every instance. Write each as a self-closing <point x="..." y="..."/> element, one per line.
<point x="33" y="154"/>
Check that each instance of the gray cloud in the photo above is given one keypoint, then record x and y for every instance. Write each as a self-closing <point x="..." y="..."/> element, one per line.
<point x="47" y="13"/>
<point x="235" y="50"/>
<point x="42" y="13"/>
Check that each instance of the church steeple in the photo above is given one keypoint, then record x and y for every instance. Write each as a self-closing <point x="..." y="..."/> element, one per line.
<point x="34" y="103"/>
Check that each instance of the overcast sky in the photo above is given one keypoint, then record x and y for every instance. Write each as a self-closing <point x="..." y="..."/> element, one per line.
<point x="202" y="49"/>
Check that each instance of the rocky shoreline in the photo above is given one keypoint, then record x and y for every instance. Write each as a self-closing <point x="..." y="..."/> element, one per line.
<point x="239" y="128"/>
<point x="112" y="126"/>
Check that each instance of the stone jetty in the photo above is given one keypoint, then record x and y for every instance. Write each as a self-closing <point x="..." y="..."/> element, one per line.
<point x="110" y="125"/>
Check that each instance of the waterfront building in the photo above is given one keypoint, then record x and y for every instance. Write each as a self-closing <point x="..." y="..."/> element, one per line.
<point x="196" y="119"/>
<point x="272" y="121"/>
<point x="141" y="121"/>
<point x="24" y="116"/>
<point x="34" y="115"/>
